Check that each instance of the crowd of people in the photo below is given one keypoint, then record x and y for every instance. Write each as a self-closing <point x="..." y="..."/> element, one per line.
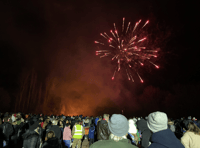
<point x="157" y="130"/>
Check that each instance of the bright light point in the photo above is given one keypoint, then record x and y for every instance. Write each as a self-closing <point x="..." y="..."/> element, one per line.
<point x="141" y="81"/>
<point x="141" y="64"/>
<point x="155" y="56"/>
<point x="139" y="21"/>
<point x="129" y="65"/>
<point x="101" y="34"/>
<point x="123" y="18"/>
<point x="147" y="21"/>
<point x="110" y="30"/>
<point x="95" y="41"/>
<point x="112" y="78"/>
<point x="111" y="39"/>
<point x="129" y="79"/>
<point x="125" y="49"/>
<point x="157" y="66"/>
<point x="115" y="31"/>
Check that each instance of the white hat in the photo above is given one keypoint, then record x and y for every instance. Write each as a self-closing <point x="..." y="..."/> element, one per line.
<point x="132" y="128"/>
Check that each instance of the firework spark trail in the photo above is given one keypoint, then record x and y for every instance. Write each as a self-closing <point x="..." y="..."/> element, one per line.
<point x="123" y="24"/>
<point x="127" y="74"/>
<point x="128" y="27"/>
<point x="140" y="78"/>
<point x="113" y="77"/>
<point x="115" y="27"/>
<point x="127" y="48"/>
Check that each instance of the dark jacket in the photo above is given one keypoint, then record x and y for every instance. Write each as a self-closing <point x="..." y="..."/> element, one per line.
<point x="165" y="139"/>
<point x="146" y="133"/>
<point x="52" y="143"/>
<point x="7" y="130"/>
<point x="31" y="139"/>
<point x="103" y="131"/>
<point x="56" y="130"/>
<point x="112" y="144"/>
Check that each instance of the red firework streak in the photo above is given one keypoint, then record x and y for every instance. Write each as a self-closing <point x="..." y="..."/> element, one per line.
<point x="127" y="49"/>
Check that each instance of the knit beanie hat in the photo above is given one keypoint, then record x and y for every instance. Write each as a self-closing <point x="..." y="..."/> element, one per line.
<point x="132" y="127"/>
<point x="157" y="121"/>
<point x="118" y="125"/>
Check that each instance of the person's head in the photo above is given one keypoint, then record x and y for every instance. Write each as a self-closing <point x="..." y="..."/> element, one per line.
<point x="55" y="122"/>
<point x="106" y="117"/>
<point x="118" y="126"/>
<point x="60" y="123"/>
<point x="68" y="125"/>
<point x="157" y="121"/>
<point x="79" y="121"/>
<point x="193" y="128"/>
<point x="50" y="134"/>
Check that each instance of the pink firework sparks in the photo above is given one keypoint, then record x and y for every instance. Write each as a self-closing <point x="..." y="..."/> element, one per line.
<point x="127" y="48"/>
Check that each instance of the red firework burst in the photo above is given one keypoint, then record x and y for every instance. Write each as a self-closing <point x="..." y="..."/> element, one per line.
<point x="127" y="48"/>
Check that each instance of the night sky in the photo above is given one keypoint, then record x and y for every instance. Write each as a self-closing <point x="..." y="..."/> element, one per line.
<point x="48" y="62"/>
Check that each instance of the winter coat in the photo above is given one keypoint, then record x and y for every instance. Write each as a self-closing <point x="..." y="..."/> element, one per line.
<point x="52" y="143"/>
<point x="191" y="140"/>
<point x="7" y="130"/>
<point x="67" y="133"/>
<point x="56" y="130"/>
<point x="165" y="139"/>
<point x="112" y="144"/>
<point x="91" y="132"/>
<point x="31" y="139"/>
<point x="103" y="131"/>
<point x="146" y="133"/>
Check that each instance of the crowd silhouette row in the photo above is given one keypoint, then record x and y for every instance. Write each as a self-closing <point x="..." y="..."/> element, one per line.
<point x="157" y="130"/>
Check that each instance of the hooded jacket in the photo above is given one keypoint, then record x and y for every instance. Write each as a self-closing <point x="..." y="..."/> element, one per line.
<point x="56" y="130"/>
<point x="165" y="139"/>
<point x="52" y="143"/>
<point x="146" y="133"/>
<point x="91" y="132"/>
